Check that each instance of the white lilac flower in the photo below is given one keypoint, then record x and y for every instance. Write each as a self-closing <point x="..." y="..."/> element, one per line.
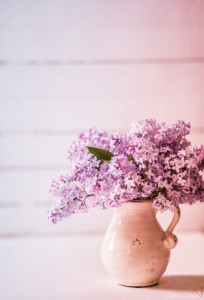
<point x="152" y="161"/>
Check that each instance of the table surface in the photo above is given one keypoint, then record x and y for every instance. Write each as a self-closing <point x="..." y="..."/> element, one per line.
<point x="70" y="267"/>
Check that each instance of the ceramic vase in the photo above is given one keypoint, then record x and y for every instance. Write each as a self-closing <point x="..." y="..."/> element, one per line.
<point x="135" y="249"/>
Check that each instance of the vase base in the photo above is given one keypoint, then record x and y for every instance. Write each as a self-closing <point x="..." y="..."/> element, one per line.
<point x="148" y="284"/>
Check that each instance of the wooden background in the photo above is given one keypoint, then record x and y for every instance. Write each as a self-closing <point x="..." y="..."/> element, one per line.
<point x="66" y="66"/>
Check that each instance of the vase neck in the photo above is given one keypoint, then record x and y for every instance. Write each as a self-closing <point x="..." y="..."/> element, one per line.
<point x="143" y="207"/>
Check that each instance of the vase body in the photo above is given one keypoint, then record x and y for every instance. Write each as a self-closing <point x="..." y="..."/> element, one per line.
<point x="135" y="249"/>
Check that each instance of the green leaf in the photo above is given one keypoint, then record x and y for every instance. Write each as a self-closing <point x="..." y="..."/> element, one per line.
<point x="147" y="165"/>
<point x="101" y="154"/>
<point x="129" y="158"/>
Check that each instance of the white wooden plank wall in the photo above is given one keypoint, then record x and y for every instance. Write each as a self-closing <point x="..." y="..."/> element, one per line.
<point x="66" y="66"/>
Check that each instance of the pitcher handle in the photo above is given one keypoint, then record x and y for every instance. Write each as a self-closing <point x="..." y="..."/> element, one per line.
<point x="176" y="217"/>
<point x="170" y="240"/>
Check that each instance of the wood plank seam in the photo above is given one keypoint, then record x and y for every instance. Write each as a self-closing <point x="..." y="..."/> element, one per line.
<point x="134" y="61"/>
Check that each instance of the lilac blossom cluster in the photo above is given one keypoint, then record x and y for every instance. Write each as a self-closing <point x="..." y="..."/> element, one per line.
<point x="152" y="161"/>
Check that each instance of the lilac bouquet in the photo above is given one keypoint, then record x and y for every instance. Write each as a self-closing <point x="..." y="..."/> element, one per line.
<point x="152" y="161"/>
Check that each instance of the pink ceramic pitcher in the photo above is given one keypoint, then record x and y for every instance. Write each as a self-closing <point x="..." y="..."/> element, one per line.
<point x="136" y="250"/>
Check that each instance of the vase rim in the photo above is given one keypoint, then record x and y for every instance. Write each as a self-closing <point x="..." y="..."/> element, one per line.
<point x="140" y="201"/>
<point x="136" y="202"/>
<point x="132" y="206"/>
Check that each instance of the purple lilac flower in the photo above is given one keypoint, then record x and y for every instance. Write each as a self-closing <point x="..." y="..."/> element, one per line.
<point x="152" y="161"/>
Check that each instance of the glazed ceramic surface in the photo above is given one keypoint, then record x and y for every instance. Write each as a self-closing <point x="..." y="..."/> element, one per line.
<point x="136" y="250"/>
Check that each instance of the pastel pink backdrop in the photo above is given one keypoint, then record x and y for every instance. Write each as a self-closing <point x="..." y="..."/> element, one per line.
<point x="89" y="63"/>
